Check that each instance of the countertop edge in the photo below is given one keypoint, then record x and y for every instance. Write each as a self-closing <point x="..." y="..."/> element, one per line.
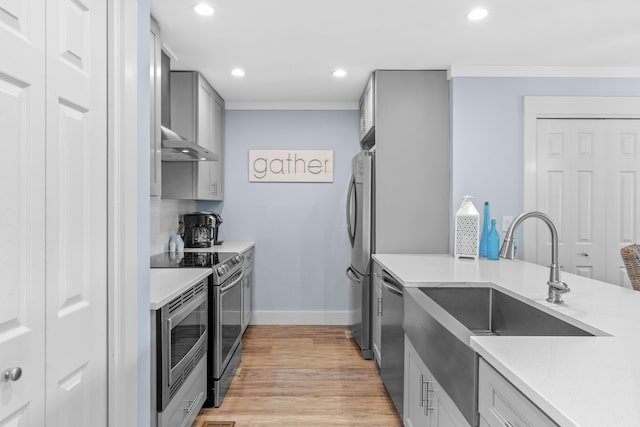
<point x="168" y="283"/>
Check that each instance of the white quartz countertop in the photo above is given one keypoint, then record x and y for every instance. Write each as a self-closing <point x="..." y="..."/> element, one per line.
<point x="225" y="247"/>
<point x="168" y="283"/>
<point x="577" y="381"/>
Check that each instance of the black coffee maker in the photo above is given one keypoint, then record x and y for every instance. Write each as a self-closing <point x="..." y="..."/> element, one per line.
<point x="201" y="229"/>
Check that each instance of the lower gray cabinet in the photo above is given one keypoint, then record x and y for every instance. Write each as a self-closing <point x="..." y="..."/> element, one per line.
<point x="376" y="313"/>
<point x="247" y="288"/>
<point x="188" y="401"/>
<point x="501" y="404"/>
<point x="426" y="404"/>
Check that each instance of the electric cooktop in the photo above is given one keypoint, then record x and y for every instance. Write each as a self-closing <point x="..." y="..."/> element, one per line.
<point x="191" y="259"/>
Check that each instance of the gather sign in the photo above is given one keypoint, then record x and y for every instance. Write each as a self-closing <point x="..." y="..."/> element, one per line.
<point x="291" y="165"/>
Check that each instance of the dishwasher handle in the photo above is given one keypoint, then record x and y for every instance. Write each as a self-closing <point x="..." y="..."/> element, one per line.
<point x="391" y="285"/>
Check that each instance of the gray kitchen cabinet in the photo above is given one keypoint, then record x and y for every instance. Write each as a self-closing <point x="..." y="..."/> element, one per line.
<point x="367" y="109"/>
<point x="376" y="313"/>
<point x="155" y="147"/>
<point x="188" y="400"/>
<point x="426" y="404"/>
<point x="247" y="288"/>
<point x="197" y="113"/>
<point x="410" y="134"/>
<point x="501" y="404"/>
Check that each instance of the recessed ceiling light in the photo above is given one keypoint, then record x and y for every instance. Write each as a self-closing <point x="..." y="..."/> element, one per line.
<point x="477" y="14"/>
<point x="237" y="72"/>
<point x="203" y="9"/>
<point x="339" y="73"/>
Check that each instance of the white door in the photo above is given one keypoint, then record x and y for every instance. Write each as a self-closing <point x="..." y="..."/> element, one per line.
<point x="22" y="191"/>
<point x="76" y="213"/>
<point x="623" y="194"/>
<point x="53" y="186"/>
<point x="583" y="181"/>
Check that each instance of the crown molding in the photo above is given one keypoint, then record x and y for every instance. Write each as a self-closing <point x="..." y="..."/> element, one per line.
<point x="291" y="105"/>
<point x="541" y="71"/>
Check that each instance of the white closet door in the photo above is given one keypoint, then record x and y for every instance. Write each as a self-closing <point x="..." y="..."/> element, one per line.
<point x="22" y="187"/>
<point x="588" y="180"/>
<point x="76" y="219"/>
<point x="623" y="214"/>
<point x="571" y="170"/>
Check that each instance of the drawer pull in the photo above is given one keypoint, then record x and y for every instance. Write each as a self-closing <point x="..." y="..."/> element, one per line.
<point x="507" y="424"/>
<point x="192" y="404"/>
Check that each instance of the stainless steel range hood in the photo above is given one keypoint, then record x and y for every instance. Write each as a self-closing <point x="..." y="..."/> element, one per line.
<point x="176" y="148"/>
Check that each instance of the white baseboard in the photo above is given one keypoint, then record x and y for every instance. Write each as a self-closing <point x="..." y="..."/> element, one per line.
<point x="300" y="318"/>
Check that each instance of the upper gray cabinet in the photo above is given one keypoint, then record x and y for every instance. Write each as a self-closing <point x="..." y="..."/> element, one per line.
<point x="367" y="111"/>
<point x="410" y="132"/>
<point x="197" y="113"/>
<point x="155" y="147"/>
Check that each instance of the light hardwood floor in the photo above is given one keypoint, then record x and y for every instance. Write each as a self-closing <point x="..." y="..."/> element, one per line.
<point x="303" y="376"/>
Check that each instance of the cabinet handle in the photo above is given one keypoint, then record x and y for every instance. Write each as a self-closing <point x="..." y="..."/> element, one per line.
<point x="507" y="424"/>
<point x="422" y="390"/>
<point x="379" y="307"/>
<point x="192" y="404"/>
<point x="429" y="390"/>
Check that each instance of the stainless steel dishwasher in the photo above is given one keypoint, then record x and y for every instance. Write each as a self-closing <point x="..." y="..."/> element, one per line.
<point x="392" y="341"/>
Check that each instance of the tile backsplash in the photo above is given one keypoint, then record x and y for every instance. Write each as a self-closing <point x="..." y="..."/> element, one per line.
<point x="164" y="221"/>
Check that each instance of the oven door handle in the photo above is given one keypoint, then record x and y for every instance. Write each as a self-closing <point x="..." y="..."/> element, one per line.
<point x="233" y="284"/>
<point x="187" y="310"/>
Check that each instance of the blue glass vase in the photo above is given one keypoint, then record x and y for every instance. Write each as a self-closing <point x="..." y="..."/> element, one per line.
<point x="485" y="231"/>
<point x="493" y="242"/>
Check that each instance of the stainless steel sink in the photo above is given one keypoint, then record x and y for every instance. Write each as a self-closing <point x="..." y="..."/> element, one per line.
<point x="487" y="311"/>
<point x="440" y="322"/>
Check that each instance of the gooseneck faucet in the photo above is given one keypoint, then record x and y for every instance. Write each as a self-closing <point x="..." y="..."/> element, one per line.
<point x="556" y="287"/>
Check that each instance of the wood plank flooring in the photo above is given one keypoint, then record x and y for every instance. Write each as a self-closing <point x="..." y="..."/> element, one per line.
<point x="303" y="376"/>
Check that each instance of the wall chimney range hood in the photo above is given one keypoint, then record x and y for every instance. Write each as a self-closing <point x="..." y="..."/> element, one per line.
<point x="176" y="148"/>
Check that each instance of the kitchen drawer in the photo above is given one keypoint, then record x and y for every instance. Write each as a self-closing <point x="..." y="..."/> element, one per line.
<point x="186" y="404"/>
<point x="501" y="404"/>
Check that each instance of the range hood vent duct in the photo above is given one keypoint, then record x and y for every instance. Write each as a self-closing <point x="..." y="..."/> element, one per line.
<point x="176" y="148"/>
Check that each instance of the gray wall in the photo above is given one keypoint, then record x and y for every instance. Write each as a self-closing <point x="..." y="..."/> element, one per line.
<point x="302" y="248"/>
<point x="487" y="133"/>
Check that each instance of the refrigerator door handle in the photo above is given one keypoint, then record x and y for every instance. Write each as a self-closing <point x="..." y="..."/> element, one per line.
<point x="353" y="275"/>
<point x="351" y="228"/>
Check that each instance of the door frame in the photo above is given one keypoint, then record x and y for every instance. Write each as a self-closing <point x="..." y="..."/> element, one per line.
<point x="128" y="202"/>
<point x="561" y="107"/>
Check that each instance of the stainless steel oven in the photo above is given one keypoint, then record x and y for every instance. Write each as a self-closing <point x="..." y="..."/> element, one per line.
<point x="226" y="318"/>
<point x="224" y="290"/>
<point x="181" y="334"/>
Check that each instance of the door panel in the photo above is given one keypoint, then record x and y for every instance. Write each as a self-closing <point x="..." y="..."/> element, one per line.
<point x="22" y="191"/>
<point x="361" y="207"/>
<point x="76" y="207"/>
<point x="588" y="173"/>
<point x="623" y="222"/>
<point x="570" y="174"/>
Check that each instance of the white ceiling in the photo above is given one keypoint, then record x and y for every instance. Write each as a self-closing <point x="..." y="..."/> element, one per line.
<point x="289" y="48"/>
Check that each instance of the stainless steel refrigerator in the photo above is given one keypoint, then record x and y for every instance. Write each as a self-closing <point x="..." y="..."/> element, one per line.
<point x="359" y="227"/>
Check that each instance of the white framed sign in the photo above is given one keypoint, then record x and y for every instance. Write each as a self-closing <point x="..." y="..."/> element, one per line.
<point x="291" y="165"/>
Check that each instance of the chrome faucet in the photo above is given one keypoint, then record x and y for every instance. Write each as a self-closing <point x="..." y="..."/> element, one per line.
<point x="556" y="287"/>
